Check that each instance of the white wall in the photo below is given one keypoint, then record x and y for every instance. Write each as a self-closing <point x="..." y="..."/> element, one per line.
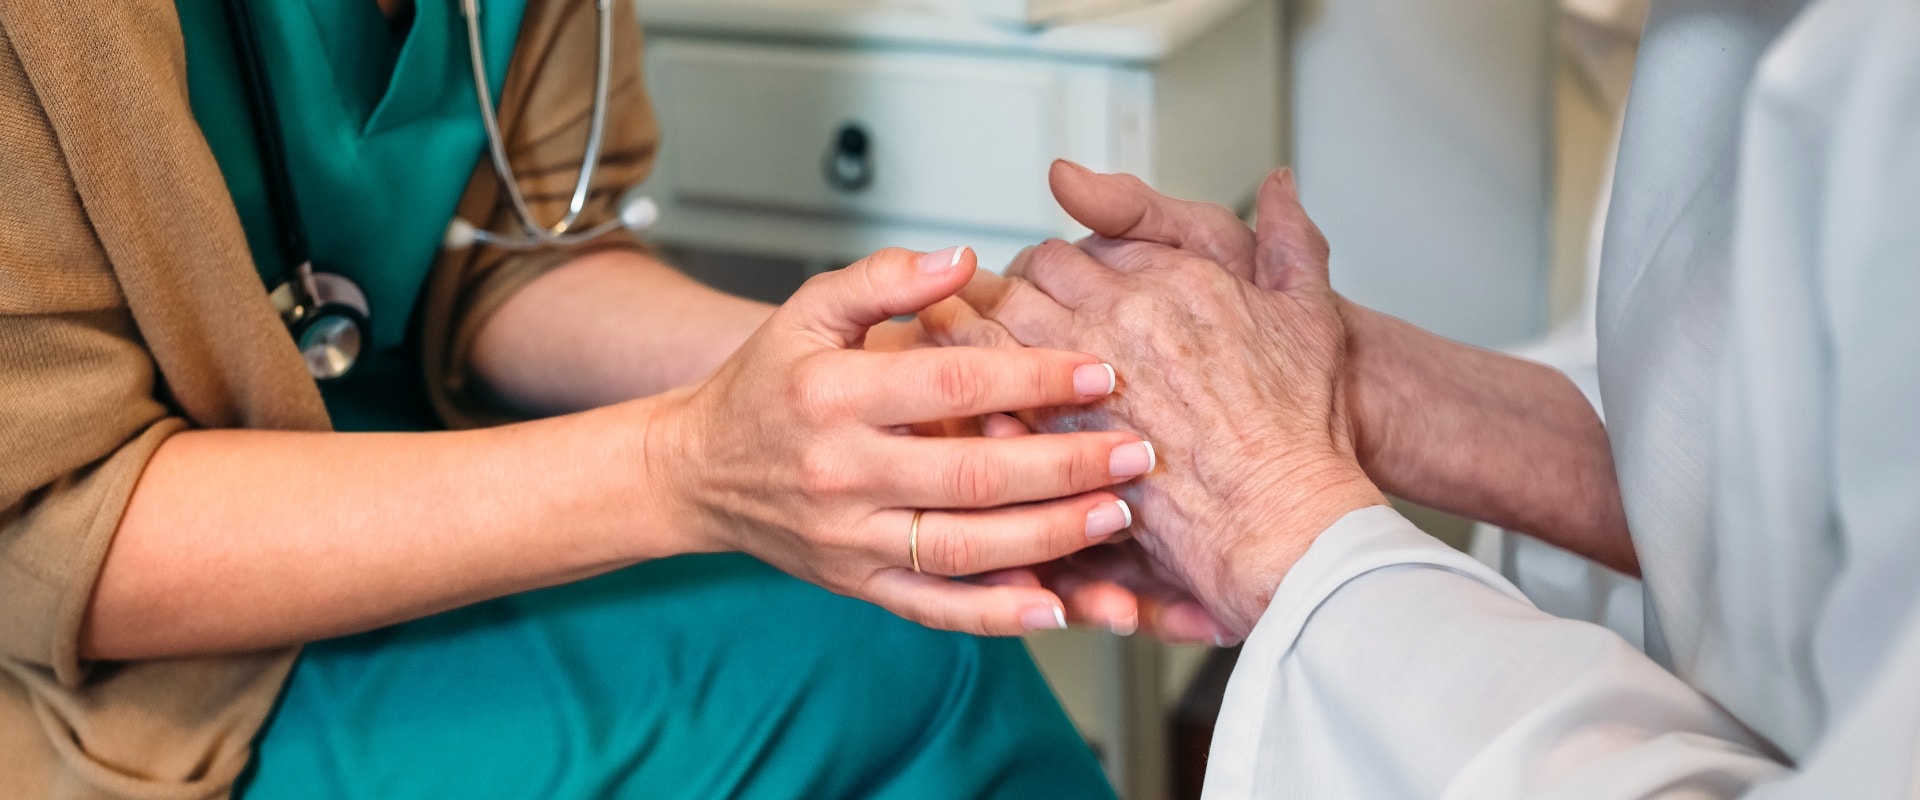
<point x="1422" y="142"/>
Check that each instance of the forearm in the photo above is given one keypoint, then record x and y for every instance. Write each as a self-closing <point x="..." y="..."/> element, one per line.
<point x="608" y="326"/>
<point x="242" y="540"/>
<point x="1484" y="435"/>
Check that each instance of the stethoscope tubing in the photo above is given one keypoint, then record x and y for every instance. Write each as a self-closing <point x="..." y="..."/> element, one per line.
<point x="535" y="234"/>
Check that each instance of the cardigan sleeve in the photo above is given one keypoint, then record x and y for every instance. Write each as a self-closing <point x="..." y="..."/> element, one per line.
<point x="78" y="413"/>
<point x="80" y="424"/>
<point x="546" y="106"/>
<point x="84" y="402"/>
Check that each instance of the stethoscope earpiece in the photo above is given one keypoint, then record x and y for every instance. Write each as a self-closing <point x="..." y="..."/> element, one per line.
<point x="460" y="235"/>
<point x="636" y="214"/>
<point x="639" y="213"/>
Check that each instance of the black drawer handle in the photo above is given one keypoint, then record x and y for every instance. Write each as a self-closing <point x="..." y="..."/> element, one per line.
<point x="849" y="162"/>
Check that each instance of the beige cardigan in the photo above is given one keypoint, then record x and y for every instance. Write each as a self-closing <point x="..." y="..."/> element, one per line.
<point x="130" y="310"/>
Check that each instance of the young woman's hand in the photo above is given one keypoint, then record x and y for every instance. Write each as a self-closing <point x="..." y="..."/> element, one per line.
<point x="798" y="450"/>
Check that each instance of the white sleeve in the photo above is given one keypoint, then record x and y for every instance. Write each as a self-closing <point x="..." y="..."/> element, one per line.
<point x="1390" y="665"/>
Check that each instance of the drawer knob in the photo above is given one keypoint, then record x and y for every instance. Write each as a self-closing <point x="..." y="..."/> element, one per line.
<point x="849" y="162"/>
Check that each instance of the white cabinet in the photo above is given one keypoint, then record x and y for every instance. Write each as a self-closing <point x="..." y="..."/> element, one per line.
<point x="822" y="130"/>
<point x="921" y="139"/>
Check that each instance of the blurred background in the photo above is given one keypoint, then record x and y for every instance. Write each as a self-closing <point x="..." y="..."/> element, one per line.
<point x="1455" y="152"/>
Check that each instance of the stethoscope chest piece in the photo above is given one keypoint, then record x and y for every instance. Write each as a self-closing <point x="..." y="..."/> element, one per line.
<point x="328" y="317"/>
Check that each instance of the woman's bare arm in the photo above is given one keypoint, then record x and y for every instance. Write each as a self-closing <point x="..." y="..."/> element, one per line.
<point x="791" y="451"/>
<point x="237" y="540"/>
<point x="608" y="326"/>
<point x="242" y="540"/>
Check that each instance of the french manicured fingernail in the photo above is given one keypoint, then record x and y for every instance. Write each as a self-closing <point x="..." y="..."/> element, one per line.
<point x="1044" y="618"/>
<point x="1094" y="380"/>
<point x="1126" y="627"/>
<point x="1107" y="518"/>
<point x="942" y="260"/>
<point x="1131" y="459"/>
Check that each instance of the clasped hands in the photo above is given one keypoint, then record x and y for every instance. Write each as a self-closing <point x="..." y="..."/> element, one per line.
<point x="1174" y="325"/>
<point x="1231" y="346"/>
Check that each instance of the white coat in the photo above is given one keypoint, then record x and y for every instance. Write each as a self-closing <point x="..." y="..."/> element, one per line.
<point x="1759" y="338"/>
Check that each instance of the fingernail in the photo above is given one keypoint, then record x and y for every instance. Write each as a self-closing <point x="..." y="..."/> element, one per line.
<point x="1107" y="518"/>
<point x="942" y="260"/>
<point x="1044" y="618"/>
<point x="1094" y="380"/>
<point x="1127" y="627"/>
<point x="1131" y="459"/>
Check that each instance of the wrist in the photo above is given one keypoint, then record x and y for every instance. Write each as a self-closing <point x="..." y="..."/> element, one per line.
<point x="629" y="458"/>
<point x="1370" y="381"/>
<point x="1275" y="531"/>
<point x="666" y="449"/>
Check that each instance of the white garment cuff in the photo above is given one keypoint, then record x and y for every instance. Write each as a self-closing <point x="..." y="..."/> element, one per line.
<point x="1363" y="541"/>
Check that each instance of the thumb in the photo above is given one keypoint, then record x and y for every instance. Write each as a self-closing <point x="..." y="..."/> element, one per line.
<point x="1290" y="251"/>
<point x="1125" y="207"/>
<point x="843" y="304"/>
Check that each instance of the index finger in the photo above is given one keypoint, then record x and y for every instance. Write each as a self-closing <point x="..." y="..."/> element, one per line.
<point x="945" y="382"/>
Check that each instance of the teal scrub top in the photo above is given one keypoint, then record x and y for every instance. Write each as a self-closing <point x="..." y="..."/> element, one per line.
<point x="382" y="132"/>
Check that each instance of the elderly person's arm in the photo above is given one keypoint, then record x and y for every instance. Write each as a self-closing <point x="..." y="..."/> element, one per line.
<point x="1470" y="431"/>
<point x="1380" y="663"/>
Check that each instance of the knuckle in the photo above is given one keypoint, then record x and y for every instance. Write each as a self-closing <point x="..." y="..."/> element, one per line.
<point x="951" y="554"/>
<point x="972" y="481"/>
<point x="1135" y="313"/>
<point x="957" y="385"/>
<point x="822" y="472"/>
<point x="1051" y="258"/>
<point x="1219" y="217"/>
<point x="980" y="623"/>
<point x="1088" y="468"/>
<point x="817" y="286"/>
<point x="1192" y="276"/>
<point x="1044" y="384"/>
<point x="815" y="394"/>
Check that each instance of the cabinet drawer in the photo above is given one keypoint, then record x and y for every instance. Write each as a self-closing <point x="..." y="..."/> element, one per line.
<point x="912" y="137"/>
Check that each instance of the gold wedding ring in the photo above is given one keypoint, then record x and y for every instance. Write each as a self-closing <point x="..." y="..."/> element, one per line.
<point x="913" y="540"/>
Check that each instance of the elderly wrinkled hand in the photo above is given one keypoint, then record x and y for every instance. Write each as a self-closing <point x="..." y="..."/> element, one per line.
<point x="1113" y="584"/>
<point x="1238" y="386"/>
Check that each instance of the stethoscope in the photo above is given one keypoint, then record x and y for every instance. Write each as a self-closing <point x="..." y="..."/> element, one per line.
<point x="327" y="313"/>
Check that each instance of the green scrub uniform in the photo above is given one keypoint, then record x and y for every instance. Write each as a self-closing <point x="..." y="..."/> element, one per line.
<point x="710" y="676"/>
